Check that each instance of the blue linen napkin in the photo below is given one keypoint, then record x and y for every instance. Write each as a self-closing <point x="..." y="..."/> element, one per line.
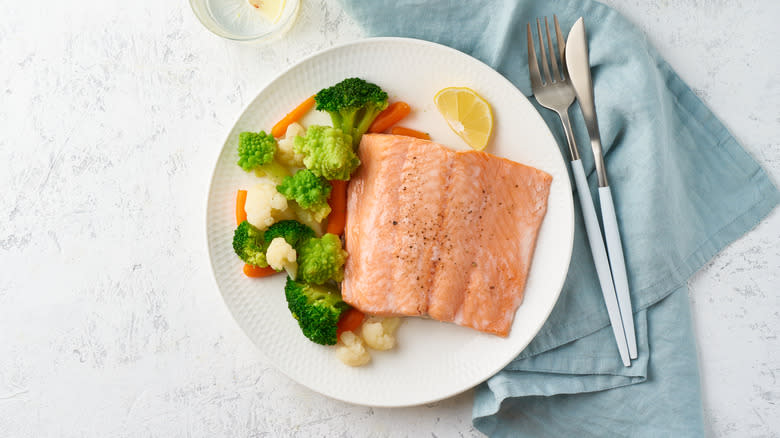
<point x="683" y="188"/>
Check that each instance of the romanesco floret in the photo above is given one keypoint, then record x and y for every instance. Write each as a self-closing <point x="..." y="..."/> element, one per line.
<point x="317" y="309"/>
<point x="327" y="152"/>
<point x="248" y="243"/>
<point x="309" y="191"/>
<point x="321" y="259"/>
<point x="353" y="104"/>
<point x="306" y="188"/>
<point x="255" y="149"/>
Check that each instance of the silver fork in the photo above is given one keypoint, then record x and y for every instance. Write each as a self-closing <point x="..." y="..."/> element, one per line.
<point x="556" y="93"/>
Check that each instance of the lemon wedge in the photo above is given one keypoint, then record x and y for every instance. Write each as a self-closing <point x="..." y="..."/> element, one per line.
<point x="467" y="113"/>
<point x="271" y="10"/>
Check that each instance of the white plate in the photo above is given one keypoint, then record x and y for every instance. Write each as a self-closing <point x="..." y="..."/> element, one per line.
<point x="432" y="360"/>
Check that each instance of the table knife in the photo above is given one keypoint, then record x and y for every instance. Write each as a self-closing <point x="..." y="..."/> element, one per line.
<point x="578" y="63"/>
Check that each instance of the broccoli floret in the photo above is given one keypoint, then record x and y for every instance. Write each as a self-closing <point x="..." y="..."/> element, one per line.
<point x="327" y="152"/>
<point x="255" y="149"/>
<point x="353" y="104"/>
<point x="321" y="259"/>
<point x="309" y="191"/>
<point x="294" y="232"/>
<point x="249" y="244"/>
<point x="317" y="309"/>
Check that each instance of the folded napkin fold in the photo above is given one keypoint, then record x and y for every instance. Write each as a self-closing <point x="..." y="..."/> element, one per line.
<point x="683" y="189"/>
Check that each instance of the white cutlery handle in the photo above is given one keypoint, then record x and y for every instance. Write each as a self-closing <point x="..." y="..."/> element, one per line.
<point x="618" y="264"/>
<point x="600" y="259"/>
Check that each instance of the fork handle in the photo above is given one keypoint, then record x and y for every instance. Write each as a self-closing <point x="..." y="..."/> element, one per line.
<point x="600" y="259"/>
<point x="618" y="264"/>
<point x="564" y="115"/>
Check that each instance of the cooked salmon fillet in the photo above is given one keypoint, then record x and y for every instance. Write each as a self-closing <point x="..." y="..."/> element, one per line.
<point x="435" y="232"/>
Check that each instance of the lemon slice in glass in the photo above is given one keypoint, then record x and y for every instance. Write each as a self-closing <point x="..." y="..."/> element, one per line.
<point x="271" y="10"/>
<point x="467" y="113"/>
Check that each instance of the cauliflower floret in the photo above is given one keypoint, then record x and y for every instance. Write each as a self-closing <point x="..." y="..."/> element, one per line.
<point x="351" y="351"/>
<point x="284" y="152"/>
<point x="308" y="218"/>
<point x="379" y="333"/>
<point x="281" y="255"/>
<point x="265" y="205"/>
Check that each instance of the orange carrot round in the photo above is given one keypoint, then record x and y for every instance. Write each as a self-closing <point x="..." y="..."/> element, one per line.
<point x="257" y="272"/>
<point x="390" y="116"/>
<point x="338" y="208"/>
<point x="400" y="130"/>
<point x="240" y="204"/>
<point x="350" y="321"/>
<point x="293" y="116"/>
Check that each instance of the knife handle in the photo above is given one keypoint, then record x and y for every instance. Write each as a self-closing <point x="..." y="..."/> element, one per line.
<point x="600" y="259"/>
<point x="618" y="265"/>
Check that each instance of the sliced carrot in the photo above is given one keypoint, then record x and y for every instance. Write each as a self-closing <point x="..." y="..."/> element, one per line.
<point x="390" y="116"/>
<point x="338" y="208"/>
<point x="350" y="321"/>
<point x="293" y="116"/>
<point x="257" y="272"/>
<point x="400" y="130"/>
<point x="240" y="204"/>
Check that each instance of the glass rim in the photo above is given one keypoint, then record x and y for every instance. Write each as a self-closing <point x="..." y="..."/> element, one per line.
<point x="278" y="29"/>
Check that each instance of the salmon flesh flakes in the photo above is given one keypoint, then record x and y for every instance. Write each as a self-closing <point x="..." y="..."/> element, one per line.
<point x="438" y="233"/>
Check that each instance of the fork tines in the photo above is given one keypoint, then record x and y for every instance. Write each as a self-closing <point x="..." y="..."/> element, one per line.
<point x="558" y="72"/>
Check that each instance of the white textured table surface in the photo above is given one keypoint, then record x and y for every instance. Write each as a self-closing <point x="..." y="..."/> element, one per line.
<point x="110" y="322"/>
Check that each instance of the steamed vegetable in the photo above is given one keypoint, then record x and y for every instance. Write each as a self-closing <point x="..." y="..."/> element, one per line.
<point x="282" y="256"/>
<point x="321" y="259"/>
<point x="285" y="151"/>
<point x="338" y="205"/>
<point x="265" y="206"/>
<point x="400" y="130"/>
<point x="353" y="104"/>
<point x="352" y="351"/>
<point x="293" y="116"/>
<point x="317" y="309"/>
<point x="258" y="272"/>
<point x="256" y="152"/>
<point x="389" y="117"/>
<point x="350" y="321"/>
<point x="327" y="152"/>
<point x="240" y="203"/>
<point x="249" y="244"/>
<point x="379" y="333"/>
<point x="255" y="149"/>
<point x="307" y="218"/>
<point x="309" y="191"/>
<point x="294" y="232"/>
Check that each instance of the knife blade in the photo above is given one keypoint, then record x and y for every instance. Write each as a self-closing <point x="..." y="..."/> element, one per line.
<point x="578" y="64"/>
